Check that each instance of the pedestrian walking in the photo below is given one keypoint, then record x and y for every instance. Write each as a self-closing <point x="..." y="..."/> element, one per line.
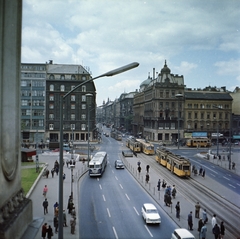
<point x="159" y="184"/>
<point x="193" y="168"/>
<point x="177" y="209"/>
<point x="45" y="190"/>
<point x="49" y="232"/>
<point x="70" y="206"/>
<point x="203" y="232"/>
<point x="67" y="162"/>
<point x="47" y="173"/>
<point x="204" y="216"/>
<point x="203" y="173"/>
<point x="52" y="172"/>
<point x="57" y="170"/>
<point x="44" y="230"/>
<point x="200" y="170"/>
<point x="147" y="168"/>
<point x="55" y="223"/>
<point x="139" y="163"/>
<point x="197" y="210"/>
<point x="216" y="231"/>
<point x="139" y="169"/>
<point x="64" y="218"/>
<point x="222" y="230"/>
<point x="64" y="176"/>
<point x="174" y="191"/>
<point x="200" y="225"/>
<point x="45" y="206"/>
<point x="190" y="221"/>
<point x="214" y="220"/>
<point x="73" y="224"/>
<point x="164" y="184"/>
<point x="147" y="178"/>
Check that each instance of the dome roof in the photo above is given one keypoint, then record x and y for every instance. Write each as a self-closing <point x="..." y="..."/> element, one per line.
<point x="165" y="69"/>
<point x="146" y="82"/>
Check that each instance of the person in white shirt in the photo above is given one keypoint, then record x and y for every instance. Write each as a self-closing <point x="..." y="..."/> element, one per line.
<point x="214" y="220"/>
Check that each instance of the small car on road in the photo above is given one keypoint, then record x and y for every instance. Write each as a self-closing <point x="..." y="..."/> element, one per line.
<point x="119" y="164"/>
<point x="150" y="214"/>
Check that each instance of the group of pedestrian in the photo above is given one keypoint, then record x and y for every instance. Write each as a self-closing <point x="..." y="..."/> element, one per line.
<point x="201" y="171"/>
<point x="218" y="231"/>
<point x="47" y="231"/>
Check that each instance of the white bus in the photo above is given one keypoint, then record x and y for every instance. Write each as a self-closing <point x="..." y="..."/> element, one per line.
<point x="98" y="164"/>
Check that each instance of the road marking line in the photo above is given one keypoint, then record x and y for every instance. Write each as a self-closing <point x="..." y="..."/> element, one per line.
<point x="127" y="197"/>
<point x="136" y="211"/>
<point x="116" y="178"/>
<point x="100" y="186"/>
<point x="104" y="199"/>
<point x="148" y="231"/>
<point x="98" y="179"/>
<point x="226" y="178"/>
<point x="121" y="186"/>
<point x="213" y="175"/>
<point x="115" y="233"/>
<point x="231" y="185"/>
<point x="238" y="184"/>
<point x="108" y="212"/>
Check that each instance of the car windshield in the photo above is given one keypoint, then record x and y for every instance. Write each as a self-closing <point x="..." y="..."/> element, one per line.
<point x="152" y="211"/>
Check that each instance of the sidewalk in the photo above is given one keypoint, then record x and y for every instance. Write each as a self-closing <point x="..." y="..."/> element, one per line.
<point x="35" y="194"/>
<point x="185" y="204"/>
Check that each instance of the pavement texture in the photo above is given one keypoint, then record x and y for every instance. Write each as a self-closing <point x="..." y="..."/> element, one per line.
<point x="34" y="230"/>
<point x="36" y="193"/>
<point x="185" y="204"/>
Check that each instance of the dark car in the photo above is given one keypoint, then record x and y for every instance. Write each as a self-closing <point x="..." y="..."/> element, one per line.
<point x="107" y="135"/>
<point x="119" y="164"/>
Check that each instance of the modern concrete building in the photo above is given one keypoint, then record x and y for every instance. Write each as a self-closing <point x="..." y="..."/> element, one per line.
<point x="33" y="83"/>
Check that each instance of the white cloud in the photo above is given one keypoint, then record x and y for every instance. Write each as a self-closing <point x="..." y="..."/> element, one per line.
<point x="104" y="34"/>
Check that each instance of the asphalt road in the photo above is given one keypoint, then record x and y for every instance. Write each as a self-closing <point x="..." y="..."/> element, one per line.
<point x="111" y="205"/>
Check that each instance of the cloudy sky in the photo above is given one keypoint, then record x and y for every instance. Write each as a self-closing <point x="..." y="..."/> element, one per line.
<point x="198" y="38"/>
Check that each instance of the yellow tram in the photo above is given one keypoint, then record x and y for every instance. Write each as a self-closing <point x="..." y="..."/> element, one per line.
<point x="175" y="163"/>
<point x="146" y="147"/>
<point x="161" y="156"/>
<point x="198" y="142"/>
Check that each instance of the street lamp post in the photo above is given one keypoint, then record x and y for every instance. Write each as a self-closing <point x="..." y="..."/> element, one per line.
<point x="179" y="96"/>
<point x="60" y="196"/>
<point x="72" y="165"/>
<point x="88" y="96"/>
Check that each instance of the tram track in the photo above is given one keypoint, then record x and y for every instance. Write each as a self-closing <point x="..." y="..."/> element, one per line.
<point x="194" y="191"/>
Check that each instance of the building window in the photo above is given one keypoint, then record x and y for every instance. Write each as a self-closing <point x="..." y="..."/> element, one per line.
<point x="83" y="126"/>
<point x="167" y="94"/>
<point x="72" y="126"/>
<point x="62" y="88"/>
<point x="51" y="116"/>
<point x="202" y="115"/>
<point x="195" y="106"/>
<point x="161" y="94"/>
<point x="73" y="98"/>
<point x="51" y="88"/>
<point x="83" y="117"/>
<point x="72" y="116"/>
<point x="83" y="106"/>
<point x="72" y="106"/>
<point x="220" y="115"/>
<point x="173" y="93"/>
<point x="51" y="97"/>
<point x="189" y="115"/>
<point x="40" y="123"/>
<point x="195" y="115"/>
<point x="208" y="106"/>
<point x="51" y="77"/>
<point x="208" y="115"/>
<point x="83" y="78"/>
<point x="62" y="77"/>
<point x="72" y="87"/>
<point x="160" y="105"/>
<point x="24" y="102"/>
<point x="84" y="98"/>
<point x="73" y="77"/>
<point x="195" y="125"/>
<point x="83" y="88"/>
<point x="51" y="127"/>
<point x="51" y="106"/>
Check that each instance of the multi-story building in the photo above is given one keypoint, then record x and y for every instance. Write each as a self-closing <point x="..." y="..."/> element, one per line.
<point x="42" y="85"/>
<point x="77" y="106"/>
<point x="158" y="107"/>
<point x="33" y="82"/>
<point x="207" y="111"/>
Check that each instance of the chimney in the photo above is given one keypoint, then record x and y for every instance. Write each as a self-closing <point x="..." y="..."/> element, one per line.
<point x="153" y="73"/>
<point x="50" y="61"/>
